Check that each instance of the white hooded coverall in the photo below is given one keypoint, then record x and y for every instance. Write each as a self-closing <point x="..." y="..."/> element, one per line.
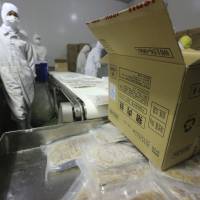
<point x="40" y="52"/>
<point x="81" y="59"/>
<point x="93" y="60"/>
<point x="16" y="67"/>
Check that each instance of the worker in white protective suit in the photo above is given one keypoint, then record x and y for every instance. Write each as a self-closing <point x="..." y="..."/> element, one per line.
<point x="16" y="66"/>
<point x="40" y="51"/>
<point x="81" y="59"/>
<point x="93" y="60"/>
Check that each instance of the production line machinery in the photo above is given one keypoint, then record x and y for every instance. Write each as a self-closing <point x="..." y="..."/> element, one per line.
<point x="79" y="97"/>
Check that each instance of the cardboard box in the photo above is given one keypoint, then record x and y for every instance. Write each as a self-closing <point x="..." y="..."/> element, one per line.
<point x="154" y="92"/>
<point x="61" y="65"/>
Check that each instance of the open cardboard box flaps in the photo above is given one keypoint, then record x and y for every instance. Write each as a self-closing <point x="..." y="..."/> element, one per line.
<point x="154" y="87"/>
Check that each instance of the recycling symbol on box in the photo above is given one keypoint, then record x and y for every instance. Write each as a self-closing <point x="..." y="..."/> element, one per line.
<point x="189" y="124"/>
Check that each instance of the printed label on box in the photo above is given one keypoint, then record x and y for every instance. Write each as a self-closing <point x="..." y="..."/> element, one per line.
<point x="156" y="126"/>
<point x="135" y="77"/>
<point x="132" y="103"/>
<point x="132" y="114"/>
<point x="159" y="112"/>
<point x="156" y="52"/>
<point x="134" y="92"/>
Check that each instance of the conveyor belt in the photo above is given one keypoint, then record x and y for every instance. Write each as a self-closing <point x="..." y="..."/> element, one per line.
<point x="79" y="90"/>
<point x="77" y="104"/>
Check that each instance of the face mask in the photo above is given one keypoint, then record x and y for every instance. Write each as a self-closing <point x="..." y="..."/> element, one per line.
<point x="12" y="21"/>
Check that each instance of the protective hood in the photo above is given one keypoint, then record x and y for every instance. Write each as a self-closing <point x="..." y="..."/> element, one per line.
<point x="99" y="46"/>
<point x="36" y="39"/>
<point x="6" y="8"/>
<point x="85" y="49"/>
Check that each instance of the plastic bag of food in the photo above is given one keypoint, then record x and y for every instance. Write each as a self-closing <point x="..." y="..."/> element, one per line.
<point x="80" y="190"/>
<point x="108" y="134"/>
<point x="62" y="155"/>
<point x="118" y="176"/>
<point x="150" y="191"/>
<point x="187" y="172"/>
<point x="177" y="190"/>
<point x="112" y="155"/>
<point x="143" y="189"/>
<point x="110" y="165"/>
<point x="106" y="180"/>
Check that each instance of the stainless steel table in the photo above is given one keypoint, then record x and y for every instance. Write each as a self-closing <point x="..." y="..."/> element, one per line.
<point x="23" y="163"/>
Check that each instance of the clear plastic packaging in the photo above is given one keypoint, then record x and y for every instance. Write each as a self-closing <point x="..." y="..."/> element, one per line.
<point x="118" y="176"/>
<point x="187" y="172"/>
<point x="148" y="191"/>
<point x="112" y="155"/>
<point x="143" y="189"/>
<point x="108" y="134"/>
<point x="80" y="190"/>
<point x="108" y="166"/>
<point x="112" y="168"/>
<point x="62" y="155"/>
<point x="177" y="190"/>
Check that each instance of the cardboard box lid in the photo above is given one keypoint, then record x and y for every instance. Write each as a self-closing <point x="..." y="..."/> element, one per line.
<point x="144" y="30"/>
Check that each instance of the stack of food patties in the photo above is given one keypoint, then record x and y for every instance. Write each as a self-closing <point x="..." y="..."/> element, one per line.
<point x="112" y="168"/>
